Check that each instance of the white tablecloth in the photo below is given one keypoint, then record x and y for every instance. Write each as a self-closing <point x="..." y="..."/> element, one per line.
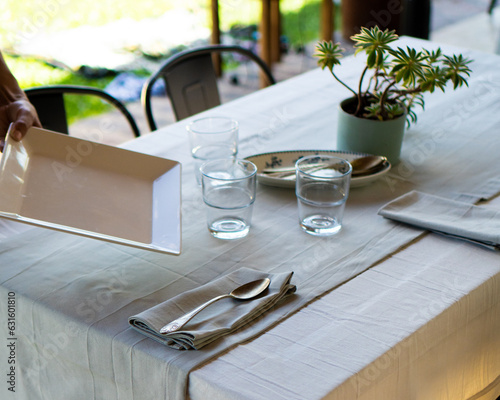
<point x="420" y="324"/>
<point x="424" y="324"/>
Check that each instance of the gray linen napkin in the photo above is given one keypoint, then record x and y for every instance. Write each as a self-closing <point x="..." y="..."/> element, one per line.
<point x="476" y="224"/>
<point x="218" y="319"/>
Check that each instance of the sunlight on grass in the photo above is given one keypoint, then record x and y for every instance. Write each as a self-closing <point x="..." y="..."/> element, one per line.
<point x="23" y="20"/>
<point x="300" y="23"/>
<point x="31" y="72"/>
<point x="17" y="24"/>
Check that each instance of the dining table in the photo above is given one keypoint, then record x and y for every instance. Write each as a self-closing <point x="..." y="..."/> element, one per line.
<point x="382" y="310"/>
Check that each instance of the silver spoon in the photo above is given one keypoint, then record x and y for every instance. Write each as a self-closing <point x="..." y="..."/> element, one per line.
<point x="367" y="165"/>
<point x="244" y="292"/>
<point x="360" y="166"/>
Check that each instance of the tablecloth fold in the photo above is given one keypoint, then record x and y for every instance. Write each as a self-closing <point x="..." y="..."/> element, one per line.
<point x="461" y="220"/>
<point x="218" y="319"/>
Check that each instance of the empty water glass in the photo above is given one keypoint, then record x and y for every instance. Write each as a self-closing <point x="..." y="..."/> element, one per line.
<point x="212" y="138"/>
<point x="322" y="188"/>
<point x="229" y="188"/>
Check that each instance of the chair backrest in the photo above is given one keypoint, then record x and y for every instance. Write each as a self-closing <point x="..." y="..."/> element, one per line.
<point x="49" y="104"/>
<point x="191" y="80"/>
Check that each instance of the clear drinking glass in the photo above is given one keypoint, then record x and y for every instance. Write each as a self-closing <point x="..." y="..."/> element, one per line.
<point x="322" y="188"/>
<point x="229" y="188"/>
<point x="212" y="138"/>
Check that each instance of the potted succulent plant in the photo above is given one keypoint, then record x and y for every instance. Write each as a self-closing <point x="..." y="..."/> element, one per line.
<point x="374" y="118"/>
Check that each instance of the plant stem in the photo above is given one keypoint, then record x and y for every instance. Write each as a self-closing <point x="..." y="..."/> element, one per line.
<point x="358" y="108"/>
<point x="401" y="93"/>
<point x="335" y="76"/>
<point x="383" y="97"/>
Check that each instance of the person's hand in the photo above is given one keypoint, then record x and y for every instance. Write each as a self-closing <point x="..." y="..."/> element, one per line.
<point x="22" y="114"/>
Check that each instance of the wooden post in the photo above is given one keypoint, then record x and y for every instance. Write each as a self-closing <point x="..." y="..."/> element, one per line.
<point x="265" y="37"/>
<point x="275" y="21"/>
<point x="215" y="37"/>
<point x="265" y="32"/>
<point x="327" y="20"/>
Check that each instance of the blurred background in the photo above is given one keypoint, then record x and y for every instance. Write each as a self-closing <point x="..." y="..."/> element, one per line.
<point x="116" y="44"/>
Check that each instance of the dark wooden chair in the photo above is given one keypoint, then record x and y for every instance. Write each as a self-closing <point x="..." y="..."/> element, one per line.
<point x="49" y="104"/>
<point x="191" y="80"/>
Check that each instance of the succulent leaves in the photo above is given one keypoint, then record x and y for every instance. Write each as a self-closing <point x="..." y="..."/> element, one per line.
<point x="329" y="54"/>
<point x="400" y="75"/>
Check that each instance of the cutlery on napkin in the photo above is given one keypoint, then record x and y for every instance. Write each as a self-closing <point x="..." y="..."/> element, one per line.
<point x="217" y="320"/>
<point x="476" y="224"/>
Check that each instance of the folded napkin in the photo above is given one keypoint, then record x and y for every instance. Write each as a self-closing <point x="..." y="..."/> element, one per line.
<point x="218" y="319"/>
<point x="476" y="224"/>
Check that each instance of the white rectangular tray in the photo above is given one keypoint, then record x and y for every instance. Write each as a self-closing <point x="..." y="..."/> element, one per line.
<point x="87" y="188"/>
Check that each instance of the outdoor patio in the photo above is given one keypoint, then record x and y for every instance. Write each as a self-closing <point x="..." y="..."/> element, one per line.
<point x="456" y="22"/>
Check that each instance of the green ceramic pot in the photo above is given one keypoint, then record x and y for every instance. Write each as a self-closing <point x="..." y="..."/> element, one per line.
<point x="383" y="138"/>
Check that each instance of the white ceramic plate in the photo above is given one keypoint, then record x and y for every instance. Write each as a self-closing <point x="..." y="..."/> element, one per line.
<point x="82" y="187"/>
<point x="289" y="158"/>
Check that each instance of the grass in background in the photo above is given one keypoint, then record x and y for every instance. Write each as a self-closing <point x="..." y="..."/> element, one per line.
<point x="300" y="24"/>
<point x="33" y="72"/>
<point x="20" y="19"/>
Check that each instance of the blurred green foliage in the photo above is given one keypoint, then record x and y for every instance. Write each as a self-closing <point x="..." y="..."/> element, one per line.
<point x="32" y="72"/>
<point x="20" y="20"/>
